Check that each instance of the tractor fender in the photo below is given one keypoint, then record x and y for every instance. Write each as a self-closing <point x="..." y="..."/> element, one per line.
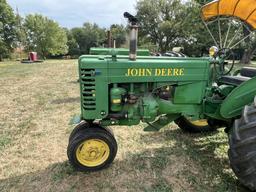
<point x="234" y="103"/>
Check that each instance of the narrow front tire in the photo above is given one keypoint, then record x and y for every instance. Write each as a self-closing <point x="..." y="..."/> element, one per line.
<point x="92" y="149"/>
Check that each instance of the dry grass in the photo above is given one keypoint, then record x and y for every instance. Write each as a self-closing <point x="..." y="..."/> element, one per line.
<point x="37" y="102"/>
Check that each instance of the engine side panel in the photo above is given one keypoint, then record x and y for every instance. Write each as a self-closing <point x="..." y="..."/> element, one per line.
<point x="189" y="77"/>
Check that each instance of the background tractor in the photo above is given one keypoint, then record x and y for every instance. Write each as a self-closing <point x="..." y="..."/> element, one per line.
<point x="199" y="94"/>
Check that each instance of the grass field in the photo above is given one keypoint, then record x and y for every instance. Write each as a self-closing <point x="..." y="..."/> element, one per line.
<point x="37" y="103"/>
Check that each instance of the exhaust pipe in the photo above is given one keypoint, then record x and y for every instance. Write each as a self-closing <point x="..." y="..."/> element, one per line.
<point x="133" y="35"/>
<point x="109" y="39"/>
<point x="133" y="42"/>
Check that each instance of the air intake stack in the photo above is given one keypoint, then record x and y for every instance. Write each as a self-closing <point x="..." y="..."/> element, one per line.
<point x="133" y="35"/>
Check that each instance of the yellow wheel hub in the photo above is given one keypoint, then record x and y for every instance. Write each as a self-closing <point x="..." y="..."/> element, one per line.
<point x="93" y="152"/>
<point x="200" y="122"/>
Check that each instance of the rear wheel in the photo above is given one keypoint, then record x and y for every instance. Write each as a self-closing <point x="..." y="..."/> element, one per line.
<point x="92" y="149"/>
<point x="197" y="126"/>
<point x="242" y="152"/>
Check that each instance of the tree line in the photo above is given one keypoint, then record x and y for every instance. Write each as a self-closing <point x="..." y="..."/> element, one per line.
<point x="164" y="24"/>
<point x="36" y="32"/>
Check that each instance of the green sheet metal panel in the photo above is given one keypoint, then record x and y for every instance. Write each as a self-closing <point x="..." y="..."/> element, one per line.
<point x="192" y="92"/>
<point x="163" y="70"/>
<point x="93" y="76"/>
<point x="238" y="98"/>
<point x="122" y="70"/>
<point x="119" y="51"/>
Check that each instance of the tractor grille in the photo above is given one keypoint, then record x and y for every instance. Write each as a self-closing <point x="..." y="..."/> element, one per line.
<point x="88" y="89"/>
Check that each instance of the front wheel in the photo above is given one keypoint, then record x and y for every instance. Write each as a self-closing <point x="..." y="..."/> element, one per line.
<point x="92" y="149"/>
<point x="197" y="126"/>
<point x="242" y="151"/>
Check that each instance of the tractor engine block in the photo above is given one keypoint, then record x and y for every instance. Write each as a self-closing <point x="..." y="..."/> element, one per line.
<point x="136" y="102"/>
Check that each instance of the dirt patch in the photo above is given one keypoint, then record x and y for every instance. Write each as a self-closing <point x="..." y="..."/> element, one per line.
<point x="173" y="173"/>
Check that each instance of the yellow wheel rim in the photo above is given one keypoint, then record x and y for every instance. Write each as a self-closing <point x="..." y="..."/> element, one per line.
<point x="93" y="152"/>
<point x="200" y="122"/>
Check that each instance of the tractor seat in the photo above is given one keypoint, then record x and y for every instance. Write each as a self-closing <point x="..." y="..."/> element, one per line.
<point x="233" y="80"/>
<point x="248" y="72"/>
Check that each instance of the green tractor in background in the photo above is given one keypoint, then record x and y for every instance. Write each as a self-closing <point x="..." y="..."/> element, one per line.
<point x="118" y="51"/>
<point x="198" y="94"/>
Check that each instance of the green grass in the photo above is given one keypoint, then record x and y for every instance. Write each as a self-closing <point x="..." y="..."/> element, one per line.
<point x="38" y="104"/>
<point x="4" y="140"/>
<point x="160" y="186"/>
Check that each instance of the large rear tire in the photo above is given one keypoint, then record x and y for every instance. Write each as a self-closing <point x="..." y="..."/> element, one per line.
<point x="242" y="152"/>
<point x="198" y="126"/>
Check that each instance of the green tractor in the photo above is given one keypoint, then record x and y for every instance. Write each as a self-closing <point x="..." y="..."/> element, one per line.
<point x="198" y="94"/>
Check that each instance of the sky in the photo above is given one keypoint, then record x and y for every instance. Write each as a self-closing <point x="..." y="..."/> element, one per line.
<point x="73" y="13"/>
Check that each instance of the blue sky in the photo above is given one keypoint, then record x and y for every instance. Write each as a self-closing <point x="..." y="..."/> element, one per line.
<point x="73" y="13"/>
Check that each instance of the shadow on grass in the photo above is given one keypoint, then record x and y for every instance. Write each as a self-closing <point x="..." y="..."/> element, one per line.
<point x="186" y="163"/>
<point x="67" y="100"/>
<point x="209" y="150"/>
<point x="74" y="82"/>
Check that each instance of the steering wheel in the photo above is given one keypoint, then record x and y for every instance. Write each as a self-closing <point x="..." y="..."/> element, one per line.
<point x="226" y="61"/>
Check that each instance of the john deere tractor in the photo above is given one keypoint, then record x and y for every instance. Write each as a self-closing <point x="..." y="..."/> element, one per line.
<point x="198" y="94"/>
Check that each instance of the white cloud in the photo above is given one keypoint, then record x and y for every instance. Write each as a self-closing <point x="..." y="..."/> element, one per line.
<point x="74" y="13"/>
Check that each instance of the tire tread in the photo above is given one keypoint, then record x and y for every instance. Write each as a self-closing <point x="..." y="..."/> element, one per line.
<point x="81" y="135"/>
<point x="242" y="141"/>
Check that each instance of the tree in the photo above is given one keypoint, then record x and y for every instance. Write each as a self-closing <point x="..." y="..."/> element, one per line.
<point x="170" y="23"/>
<point x="249" y="47"/>
<point x="90" y="35"/>
<point x="73" y="47"/>
<point x="118" y="34"/>
<point x="203" y="2"/>
<point x="161" y="21"/>
<point x="7" y="29"/>
<point x="44" y="36"/>
<point x="197" y="40"/>
<point x="21" y="32"/>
